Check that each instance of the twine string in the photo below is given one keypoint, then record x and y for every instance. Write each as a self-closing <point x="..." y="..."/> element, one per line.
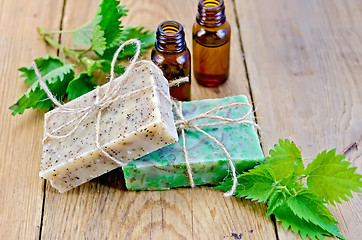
<point x="183" y="123"/>
<point x="189" y="170"/>
<point x="112" y="95"/>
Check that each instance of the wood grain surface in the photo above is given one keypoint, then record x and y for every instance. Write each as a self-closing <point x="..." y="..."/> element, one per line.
<point x="304" y="61"/>
<point x="21" y="189"/>
<point x="302" y="68"/>
<point x="199" y="213"/>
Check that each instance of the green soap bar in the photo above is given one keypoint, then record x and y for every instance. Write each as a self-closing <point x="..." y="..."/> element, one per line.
<point x="166" y="168"/>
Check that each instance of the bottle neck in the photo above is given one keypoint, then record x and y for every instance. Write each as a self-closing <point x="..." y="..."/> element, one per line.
<point x="170" y="37"/>
<point x="211" y="13"/>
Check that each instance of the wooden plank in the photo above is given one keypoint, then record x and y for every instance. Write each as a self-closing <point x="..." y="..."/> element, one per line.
<point x="103" y="209"/>
<point x="21" y="191"/>
<point x="304" y="60"/>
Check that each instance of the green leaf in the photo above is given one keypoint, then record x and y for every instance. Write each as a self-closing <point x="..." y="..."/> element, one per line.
<point x="310" y="207"/>
<point x="83" y="35"/>
<point x="285" y="159"/>
<point x="107" y="29"/>
<point x="330" y="177"/>
<point x="276" y="198"/>
<point x="290" y="181"/>
<point x="284" y="214"/>
<point x="278" y="183"/>
<point x="80" y="85"/>
<point x="55" y="73"/>
<point x="45" y="65"/>
<point x="104" y="65"/>
<point x="98" y="41"/>
<point x="146" y="37"/>
<point x="257" y="184"/>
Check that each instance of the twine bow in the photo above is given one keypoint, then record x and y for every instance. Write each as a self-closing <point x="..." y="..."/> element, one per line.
<point x="110" y="96"/>
<point x="183" y="124"/>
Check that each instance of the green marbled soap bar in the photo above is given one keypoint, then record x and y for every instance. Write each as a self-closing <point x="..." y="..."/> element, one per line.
<point x="165" y="168"/>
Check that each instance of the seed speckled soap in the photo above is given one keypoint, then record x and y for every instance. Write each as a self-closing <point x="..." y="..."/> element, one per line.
<point x="130" y="127"/>
<point x="166" y="168"/>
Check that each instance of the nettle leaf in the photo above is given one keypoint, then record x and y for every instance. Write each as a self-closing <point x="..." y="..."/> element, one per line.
<point x="80" y="85"/>
<point x="83" y="35"/>
<point x="278" y="182"/>
<point x="104" y="65"/>
<point x="276" y="199"/>
<point x="290" y="182"/>
<point x="98" y="40"/>
<point x="330" y="177"/>
<point x="310" y="207"/>
<point x="45" y="65"/>
<point x="285" y="159"/>
<point x="55" y="73"/>
<point x="146" y="37"/>
<point x="306" y="229"/>
<point x="107" y="25"/>
<point x="256" y="185"/>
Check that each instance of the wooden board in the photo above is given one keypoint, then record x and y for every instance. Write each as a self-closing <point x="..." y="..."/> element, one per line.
<point x="103" y="208"/>
<point x="21" y="190"/>
<point x="304" y="61"/>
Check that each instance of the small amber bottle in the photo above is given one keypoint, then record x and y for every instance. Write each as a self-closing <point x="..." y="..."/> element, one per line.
<point x="211" y="44"/>
<point x="173" y="57"/>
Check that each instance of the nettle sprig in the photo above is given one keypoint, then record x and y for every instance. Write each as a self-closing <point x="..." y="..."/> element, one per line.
<point x="100" y="37"/>
<point x="297" y="196"/>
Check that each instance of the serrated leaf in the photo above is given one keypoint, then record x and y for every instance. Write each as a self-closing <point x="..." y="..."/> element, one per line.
<point x="83" y="35"/>
<point x="330" y="177"/>
<point x="285" y="159"/>
<point x="55" y="73"/>
<point x="298" y="225"/>
<point x="284" y="189"/>
<point x="98" y="40"/>
<point x="256" y="185"/>
<point x="107" y="29"/>
<point x="146" y="37"/>
<point x="309" y="206"/>
<point x="45" y="65"/>
<point x="276" y="198"/>
<point x="290" y="181"/>
<point x="80" y="85"/>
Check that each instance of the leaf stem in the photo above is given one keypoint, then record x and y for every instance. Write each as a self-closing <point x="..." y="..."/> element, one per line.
<point x="59" y="32"/>
<point x="51" y="41"/>
<point x="78" y="56"/>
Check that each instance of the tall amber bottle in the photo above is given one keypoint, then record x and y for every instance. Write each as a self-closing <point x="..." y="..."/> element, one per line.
<point x="211" y="44"/>
<point x="173" y="57"/>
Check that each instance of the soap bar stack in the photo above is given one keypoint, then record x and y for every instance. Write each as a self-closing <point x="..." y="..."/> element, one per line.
<point x="166" y="168"/>
<point x="131" y="127"/>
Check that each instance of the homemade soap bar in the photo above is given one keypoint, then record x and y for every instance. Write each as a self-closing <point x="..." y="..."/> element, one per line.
<point x="166" y="168"/>
<point x="133" y="126"/>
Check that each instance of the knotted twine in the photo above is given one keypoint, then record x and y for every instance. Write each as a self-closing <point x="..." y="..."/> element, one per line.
<point x="101" y="103"/>
<point x="183" y="124"/>
<point x="112" y="95"/>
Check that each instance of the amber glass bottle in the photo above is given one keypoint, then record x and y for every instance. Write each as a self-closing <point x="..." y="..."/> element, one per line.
<point x="173" y="57"/>
<point x="211" y="43"/>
